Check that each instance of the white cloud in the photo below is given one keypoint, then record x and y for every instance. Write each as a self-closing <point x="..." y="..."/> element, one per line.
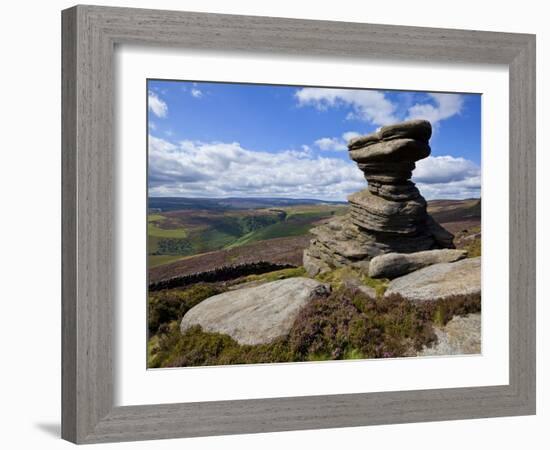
<point x="156" y="105"/>
<point x="350" y="135"/>
<point x="447" y="177"/>
<point x="336" y="143"/>
<point x="197" y="93"/>
<point x="376" y="108"/>
<point x="218" y="169"/>
<point x="446" y="105"/>
<point x="443" y="169"/>
<point x="369" y="106"/>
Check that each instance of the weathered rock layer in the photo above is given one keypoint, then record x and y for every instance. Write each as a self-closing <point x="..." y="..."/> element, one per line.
<point x="390" y="215"/>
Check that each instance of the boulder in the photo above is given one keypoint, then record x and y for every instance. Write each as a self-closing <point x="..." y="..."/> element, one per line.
<point x="439" y="281"/>
<point x="460" y="336"/>
<point x="255" y="315"/>
<point x="392" y="265"/>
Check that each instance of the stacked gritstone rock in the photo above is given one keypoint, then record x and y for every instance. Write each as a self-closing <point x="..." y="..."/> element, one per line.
<point x="390" y="215"/>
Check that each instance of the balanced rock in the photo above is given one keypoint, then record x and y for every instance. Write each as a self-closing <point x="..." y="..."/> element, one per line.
<point x="439" y="281"/>
<point x="255" y="315"/>
<point x="390" y="215"/>
<point x="392" y="265"/>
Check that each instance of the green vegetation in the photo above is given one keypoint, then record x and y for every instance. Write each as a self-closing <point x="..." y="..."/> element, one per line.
<point x="156" y="231"/>
<point x="474" y="248"/>
<point x="346" y="325"/>
<point x="346" y="275"/>
<point x="155" y="218"/>
<point x="378" y="284"/>
<point x="159" y="260"/>
<point x="295" y="223"/>
<point x="469" y="239"/>
<point x="277" y="275"/>
<point x="171" y="304"/>
<point x="178" y="234"/>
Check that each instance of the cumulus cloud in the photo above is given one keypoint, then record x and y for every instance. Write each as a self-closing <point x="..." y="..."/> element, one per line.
<point x="367" y="105"/>
<point x="444" y="169"/>
<point x="447" y="177"/>
<point x="444" y="107"/>
<point x="336" y="143"/>
<point x="197" y="93"/>
<point x="219" y="169"/>
<point x="157" y="106"/>
<point x="376" y="108"/>
<point x="222" y="169"/>
<point x="330" y="144"/>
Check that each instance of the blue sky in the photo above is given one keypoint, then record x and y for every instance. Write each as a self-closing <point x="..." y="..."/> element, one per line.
<point x="221" y="140"/>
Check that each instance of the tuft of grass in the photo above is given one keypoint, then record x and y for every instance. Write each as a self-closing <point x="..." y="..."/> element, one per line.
<point x="340" y="277"/>
<point x="337" y="278"/>
<point x="277" y="275"/>
<point x="378" y="284"/>
<point x="474" y="248"/>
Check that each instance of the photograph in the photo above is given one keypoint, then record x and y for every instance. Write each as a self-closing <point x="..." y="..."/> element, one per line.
<point x="295" y="223"/>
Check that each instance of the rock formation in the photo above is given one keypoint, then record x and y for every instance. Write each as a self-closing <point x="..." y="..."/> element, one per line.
<point x="392" y="265"/>
<point x="255" y="315"/>
<point x="439" y="282"/>
<point x="390" y="215"/>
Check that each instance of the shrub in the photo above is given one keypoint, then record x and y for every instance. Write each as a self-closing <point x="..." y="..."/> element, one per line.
<point x="171" y="304"/>
<point x="198" y="348"/>
<point x="348" y="322"/>
<point x="345" y="325"/>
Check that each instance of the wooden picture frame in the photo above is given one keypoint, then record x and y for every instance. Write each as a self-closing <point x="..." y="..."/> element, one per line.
<point x="90" y="34"/>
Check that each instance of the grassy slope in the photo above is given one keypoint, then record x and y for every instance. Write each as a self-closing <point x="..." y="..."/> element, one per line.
<point x="180" y="234"/>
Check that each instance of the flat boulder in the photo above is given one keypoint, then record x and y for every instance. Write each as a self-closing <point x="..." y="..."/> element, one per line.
<point x="439" y="281"/>
<point x="255" y="315"/>
<point x="392" y="265"/>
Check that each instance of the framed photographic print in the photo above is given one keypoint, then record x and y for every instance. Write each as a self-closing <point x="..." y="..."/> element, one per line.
<point x="277" y="224"/>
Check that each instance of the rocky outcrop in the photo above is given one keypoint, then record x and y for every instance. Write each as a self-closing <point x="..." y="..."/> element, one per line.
<point x="255" y="315"/>
<point x="390" y="215"/>
<point x="460" y="336"/>
<point x="392" y="265"/>
<point x="439" y="281"/>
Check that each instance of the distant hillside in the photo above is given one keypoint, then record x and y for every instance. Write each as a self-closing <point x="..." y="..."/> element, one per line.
<point x="248" y="230"/>
<point x="178" y="233"/>
<point x="445" y="211"/>
<point x="162" y="204"/>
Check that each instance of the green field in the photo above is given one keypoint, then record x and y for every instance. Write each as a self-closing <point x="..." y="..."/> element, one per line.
<point x="177" y="234"/>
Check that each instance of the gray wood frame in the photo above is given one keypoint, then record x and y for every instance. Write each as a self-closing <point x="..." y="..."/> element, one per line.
<point x="90" y="34"/>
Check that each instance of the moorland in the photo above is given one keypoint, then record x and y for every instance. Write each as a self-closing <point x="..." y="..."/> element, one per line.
<point x="190" y="241"/>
